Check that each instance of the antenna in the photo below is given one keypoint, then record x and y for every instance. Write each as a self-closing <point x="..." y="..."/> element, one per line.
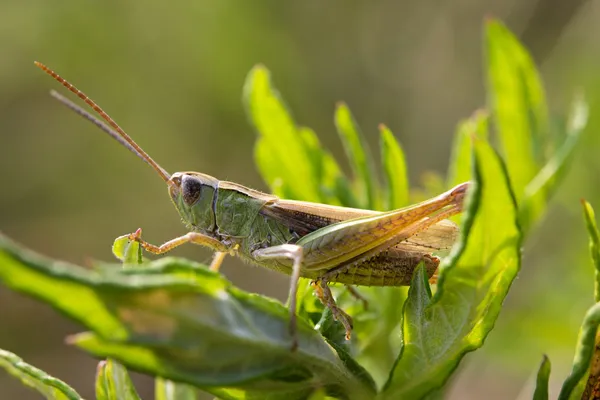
<point x="116" y="132"/>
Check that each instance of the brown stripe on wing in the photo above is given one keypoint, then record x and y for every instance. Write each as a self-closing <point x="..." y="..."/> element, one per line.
<point x="303" y="218"/>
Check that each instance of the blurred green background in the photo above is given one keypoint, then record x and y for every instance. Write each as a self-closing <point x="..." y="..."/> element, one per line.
<point x="171" y="73"/>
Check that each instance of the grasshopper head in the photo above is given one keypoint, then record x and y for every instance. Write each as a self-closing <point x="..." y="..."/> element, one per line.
<point x="193" y="193"/>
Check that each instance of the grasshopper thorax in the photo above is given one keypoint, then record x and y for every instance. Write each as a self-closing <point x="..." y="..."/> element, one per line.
<point x="193" y="194"/>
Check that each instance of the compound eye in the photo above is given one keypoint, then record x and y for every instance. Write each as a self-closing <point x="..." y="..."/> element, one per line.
<point x="191" y="189"/>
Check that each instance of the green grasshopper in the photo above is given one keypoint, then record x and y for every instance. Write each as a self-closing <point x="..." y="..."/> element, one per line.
<point x="320" y="242"/>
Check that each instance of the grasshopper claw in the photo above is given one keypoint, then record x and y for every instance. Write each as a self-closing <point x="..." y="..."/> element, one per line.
<point x="324" y="294"/>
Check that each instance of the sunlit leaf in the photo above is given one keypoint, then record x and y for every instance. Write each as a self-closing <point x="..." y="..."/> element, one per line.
<point x="130" y="252"/>
<point x="280" y="152"/>
<point x="474" y="280"/>
<point x="358" y="154"/>
<point x="49" y="387"/>
<point x="113" y="382"/>
<point x="394" y="167"/>
<point x="543" y="185"/>
<point x="333" y="185"/>
<point x="518" y="105"/>
<point x="460" y="163"/>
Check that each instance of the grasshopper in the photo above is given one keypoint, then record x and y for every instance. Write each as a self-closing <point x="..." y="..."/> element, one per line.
<point x="320" y="242"/>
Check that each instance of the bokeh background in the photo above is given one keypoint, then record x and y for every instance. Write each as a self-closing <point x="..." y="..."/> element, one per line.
<point x="171" y="73"/>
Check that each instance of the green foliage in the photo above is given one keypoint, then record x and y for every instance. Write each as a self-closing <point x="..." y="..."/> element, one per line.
<point x="113" y="382"/>
<point x="460" y="165"/>
<point x="586" y="344"/>
<point x="394" y="168"/>
<point x="474" y="281"/>
<point x="518" y="107"/>
<point x="287" y="154"/>
<point x="130" y="253"/>
<point x="541" y="383"/>
<point x="590" y="221"/>
<point x="51" y="388"/>
<point x="535" y="156"/>
<point x="360" y="159"/>
<point x="177" y="320"/>
<point x="587" y="352"/>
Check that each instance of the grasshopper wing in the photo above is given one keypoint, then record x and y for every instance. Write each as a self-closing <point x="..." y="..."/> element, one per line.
<point x="437" y="237"/>
<point x="304" y="217"/>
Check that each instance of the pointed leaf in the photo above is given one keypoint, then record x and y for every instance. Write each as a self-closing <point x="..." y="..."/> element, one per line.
<point x="590" y="220"/>
<point x="178" y="320"/>
<point x="333" y="185"/>
<point x="394" y="167"/>
<point x="358" y="155"/>
<point x="113" y="382"/>
<point x="587" y="352"/>
<point x="543" y="376"/>
<point x="49" y="387"/>
<point x="539" y="190"/>
<point x="472" y="285"/>
<point x="517" y="99"/>
<point x="460" y="163"/>
<point x="280" y="152"/>
<point x="586" y="346"/>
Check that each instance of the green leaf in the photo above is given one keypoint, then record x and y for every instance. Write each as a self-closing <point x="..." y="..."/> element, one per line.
<point x="473" y="283"/>
<point x="517" y="99"/>
<point x="590" y="221"/>
<point x="333" y="185"/>
<point x="379" y="336"/>
<point x="543" y="376"/>
<point x="586" y="345"/>
<point x="545" y="182"/>
<point x="587" y="351"/>
<point x="332" y="330"/>
<point x="280" y="152"/>
<point x="518" y="102"/>
<point x="178" y="320"/>
<point x="357" y="152"/>
<point x="168" y="390"/>
<point x="460" y="163"/>
<point x="394" y="167"/>
<point x="113" y="382"/>
<point x="130" y="252"/>
<point x="49" y="387"/>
